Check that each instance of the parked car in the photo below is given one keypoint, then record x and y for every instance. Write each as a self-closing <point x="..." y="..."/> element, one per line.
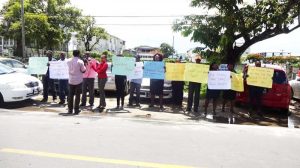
<point x="295" y="84"/>
<point x="110" y="84"/>
<point x="14" y="64"/>
<point x="15" y="86"/>
<point x="145" y="89"/>
<point x="279" y="96"/>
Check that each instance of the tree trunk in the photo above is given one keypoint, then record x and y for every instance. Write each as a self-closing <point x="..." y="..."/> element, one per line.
<point x="19" y="49"/>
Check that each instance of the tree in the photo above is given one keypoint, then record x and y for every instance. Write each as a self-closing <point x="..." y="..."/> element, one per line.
<point x="167" y="49"/>
<point x="236" y="25"/>
<point x="90" y="34"/>
<point x="48" y="23"/>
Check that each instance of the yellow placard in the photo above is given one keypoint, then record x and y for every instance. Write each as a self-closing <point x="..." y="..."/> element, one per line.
<point x="261" y="77"/>
<point x="237" y="82"/>
<point x="196" y="73"/>
<point x="175" y="71"/>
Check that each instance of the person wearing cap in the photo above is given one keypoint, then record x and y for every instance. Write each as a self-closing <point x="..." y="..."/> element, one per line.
<point x="63" y="83"/>
<point x="88" y="80"/>
<point x="120" y="81"/>
<point x="48" y="84"/>
<point x="194" y="92"/>
<point x="157" y="85"/>
<point x="177" y="90"/>
<point x="135" y="87"/>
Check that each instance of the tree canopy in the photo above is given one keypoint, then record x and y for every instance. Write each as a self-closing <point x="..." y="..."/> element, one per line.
<point x="48" y="23"/>
<point x="235" y="25"/>
<point x="167" y="49"/>
<point x="90" y="34"/>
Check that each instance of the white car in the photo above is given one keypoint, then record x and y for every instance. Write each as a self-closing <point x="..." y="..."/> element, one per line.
<point x="295" y="84"/>
<point x="14" y="64"/>
<point x="16" y="86"/>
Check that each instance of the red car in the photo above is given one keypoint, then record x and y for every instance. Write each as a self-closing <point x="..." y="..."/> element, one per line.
<point x="278" y="97"/>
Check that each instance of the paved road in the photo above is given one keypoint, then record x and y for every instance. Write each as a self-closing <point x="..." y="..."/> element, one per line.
<point x="35" y="140"/>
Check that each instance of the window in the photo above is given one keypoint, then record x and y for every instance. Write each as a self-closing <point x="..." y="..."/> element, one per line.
<point x="17" y="64"/>
<point x="279" y="77"/>
<point x="7" y="63"/>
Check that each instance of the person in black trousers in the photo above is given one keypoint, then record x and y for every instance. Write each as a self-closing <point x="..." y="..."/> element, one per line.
<point x="48" y="84"/>
<point x="120" y="81"/>
<point x="177" y="90"/>
<point x="194" y="92"/>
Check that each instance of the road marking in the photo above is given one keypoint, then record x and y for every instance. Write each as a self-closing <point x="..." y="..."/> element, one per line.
<point x="91" y="159"/>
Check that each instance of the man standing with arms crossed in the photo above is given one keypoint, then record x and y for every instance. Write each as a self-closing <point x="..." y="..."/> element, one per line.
<point x="76" y="70"/>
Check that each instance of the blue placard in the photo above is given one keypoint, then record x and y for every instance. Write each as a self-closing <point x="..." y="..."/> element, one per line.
<point x="154" y="70"/>
<point x="123" y="65"/>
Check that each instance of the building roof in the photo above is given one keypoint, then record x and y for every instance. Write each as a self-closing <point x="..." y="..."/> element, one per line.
<point x="146" y="47"/>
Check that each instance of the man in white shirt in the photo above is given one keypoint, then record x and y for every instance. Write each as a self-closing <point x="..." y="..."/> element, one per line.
<point x="76" y="70"/>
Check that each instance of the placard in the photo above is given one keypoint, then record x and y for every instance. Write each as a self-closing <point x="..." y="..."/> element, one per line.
<point x="137" y="72"/>
<point x="154" y="70"/>
<point x="59" y="70"/>
<point x="196" y="72"/>
<point x="219" y="80"/>
<point x="237" y="82"/>
<point x="123" y="65"/>
<point x="261" y="77"/>
<point x="175" y="71"/>
<point x="38" y="65"/>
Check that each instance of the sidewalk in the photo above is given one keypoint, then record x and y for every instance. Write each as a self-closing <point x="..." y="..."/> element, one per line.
<point x="170" y="113"/>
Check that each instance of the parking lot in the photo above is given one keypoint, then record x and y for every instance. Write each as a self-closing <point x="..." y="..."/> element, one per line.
<point x="272" y="117"/>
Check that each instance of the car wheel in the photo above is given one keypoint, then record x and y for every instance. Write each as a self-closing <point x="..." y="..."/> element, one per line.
<point x="1" y="100"/>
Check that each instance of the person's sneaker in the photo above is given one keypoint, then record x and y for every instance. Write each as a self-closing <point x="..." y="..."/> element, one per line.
<point x="129" y="105"/>
<point x="161" y="108"/>
<point x="121" y="108"/>
<point x="77" y="112"/>
<point x="117" y="108"/>
<point x="151" y="105"/>
<point x="82" y="105"/>
<point x="138" y="105"/>
<point x="188" y="110"/>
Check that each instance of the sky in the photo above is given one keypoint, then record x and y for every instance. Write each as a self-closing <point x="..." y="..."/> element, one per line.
<point x="155" y="35"/>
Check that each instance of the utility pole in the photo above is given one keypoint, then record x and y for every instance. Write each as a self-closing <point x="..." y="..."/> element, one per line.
<point x="23" y="30"/>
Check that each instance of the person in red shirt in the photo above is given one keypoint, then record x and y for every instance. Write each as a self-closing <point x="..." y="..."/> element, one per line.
<point x="102" y="79"/>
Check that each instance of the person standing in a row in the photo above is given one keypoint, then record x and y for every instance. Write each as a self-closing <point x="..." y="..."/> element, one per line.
<point x="177" y="90"/>
<point x="194" y="92"/>
<point x="63" y="84"/>
<point x="212" y="94"/>
<point x="47" y="82"/>
<point x="157" y="85"/>
<point x="88" y="80"/>
<point x="76" y="70"/>
<point x="135" y="86"/>
<point x="102" y="79"/>
<point x="120" y="81"/>
<point x="229" y="95"/>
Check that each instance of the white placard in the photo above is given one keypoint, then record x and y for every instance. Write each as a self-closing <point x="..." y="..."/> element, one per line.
<point x="219" y="80"/>
<point x="138" y="71"/>
<point x="59" y="70"/>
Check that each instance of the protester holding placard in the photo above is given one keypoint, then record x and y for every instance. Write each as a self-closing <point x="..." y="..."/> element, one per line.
<point x="255" y="96"/>
<point x="157" y="85"/>
<point x="194" y="92"/>
<point x="88" y="80"/>
<point x="102" y="79"/>
<point x="63" y="83"/>
<point x="76" y="70"/>
<point x="120" y="81"/>
<point x="48" y="84"/>
<point x="177" y="90"/>
<point x="212" y="94"/>
<point x="229" y="95"/>
<point x="135" y="86"/>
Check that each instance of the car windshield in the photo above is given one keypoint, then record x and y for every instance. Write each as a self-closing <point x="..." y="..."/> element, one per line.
<point x="5" y="69"/>
<point x="279" y="77"/>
